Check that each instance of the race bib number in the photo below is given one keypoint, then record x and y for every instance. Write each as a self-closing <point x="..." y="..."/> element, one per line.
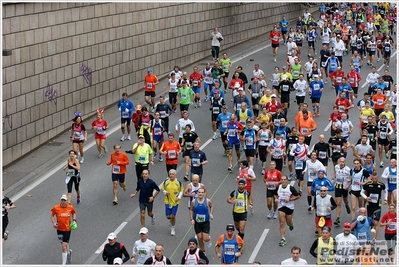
<point x="337" y="148"/>
<point x="278" y="151"/>
<point x="380" y="101"/>
<point x="116" y="169"/>
<point x="240" y="203"/>
<point x="255" y="95"/>
<point x="323" y="64"/>
<point x="322" y="154"/>
<point x="373" y="198"/>
<point x="215" y="110"/>
<point x="100" y="130"/>
<point x="298" y="165"/>
<point x="392" y="226"/>
<point x="149" y="85"/>
<point x="275" y="82"/>
<point x="195" y="83"/>
<point x="163" y="114"/>
<point x="316" y="87"/>
<point x="229" y="249"/>
<point x="333" y="65"/>
<point x="339" y="79"/>
<point x="224" y="124"/>
<point x="195" y="162"/>
<point x="70" y="172"/>
<point x="188" y="145"/>
<point x="125" y="114"/>
<point x="200" y="218"/>
<point x="171" y="154"/>
<point x="362" y="236"/>
<point x="76" y="135"/>
<point x="277" y="122"/>
<point x="225" y="67"/>
<point x="141" y="158"/>
<point x="183" y="95"/>
<point x="208" y="80"/>
<point x="351" y="80"/>
<point x="383" y="135"/>
<point x="387" y="48"/>
<point x="305" y="131"/>
<point x="250" y="141"/>
<point x="157" y="131"/>
<point x="231" y="132"/>
<point x="271" y="186"/>
<point x="340" y="180"/>
<point x="286" y="88"/>
<point x="341" y="108"/>
<point x="296" y="73"/>
<point x="238" y="105"/>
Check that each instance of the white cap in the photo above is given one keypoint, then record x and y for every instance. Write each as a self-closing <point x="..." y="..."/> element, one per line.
<point x="143" y="230"/>
<point x="118" y="261"/>
<point x="284" y="77"/>
<point x="240" y="89"/>
<point x="316" y="76"/>
<point x="236" y="85"/>
<point x="64" y="197"/>
<point x="111" y="236"/>
<point x="273" y="95"/>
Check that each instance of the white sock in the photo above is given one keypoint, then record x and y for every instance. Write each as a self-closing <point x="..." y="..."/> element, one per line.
<point x="64" y="258"/>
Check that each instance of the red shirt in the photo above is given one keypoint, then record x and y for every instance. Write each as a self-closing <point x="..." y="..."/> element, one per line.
<point x="388" y="216"/>
<point x="342" y="104"/>
<point x="275" y="36"/>
<point x="379" y="101"/>
<point x="196" y="77"/>
<point x="379" y="39"/>
<point x="234" y="81"/>
<point x="335" y="117"/>
<point x="272" y="106"/>
<point x="353" y="78"/>
<point x="272" y="178"/>
<point x="337" y="76"/>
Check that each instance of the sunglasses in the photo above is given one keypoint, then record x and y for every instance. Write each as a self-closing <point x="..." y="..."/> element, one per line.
<point x="323" y="190"/>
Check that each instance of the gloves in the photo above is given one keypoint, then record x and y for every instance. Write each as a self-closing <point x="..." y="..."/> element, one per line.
<point x="119" y="108"/>
<point x="372" y="231"/>
<point x="128" y="151"/>
<point x="361" y="218"/>
<point x="126" y="110"/>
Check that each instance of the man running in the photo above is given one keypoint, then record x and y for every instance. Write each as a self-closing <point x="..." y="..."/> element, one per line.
<point x="119" y="161"/>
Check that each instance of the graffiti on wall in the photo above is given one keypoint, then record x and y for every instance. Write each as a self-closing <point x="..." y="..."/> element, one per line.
<point x="86" y="73"/>
<point x="51" y="94"/>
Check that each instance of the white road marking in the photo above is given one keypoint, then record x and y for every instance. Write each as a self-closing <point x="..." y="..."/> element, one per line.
<point x="328" y="126"/>
<point x="258" y="246"/>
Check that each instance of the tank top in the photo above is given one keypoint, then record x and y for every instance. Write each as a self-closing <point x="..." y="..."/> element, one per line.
<point x="173" y="86"/>
<point x="229" y="248"/>
<point x="192" y="259"/>
<point x="368" y="169"/>
<point x="373" y="45"/>
<point x="387" y="47"/>
<point x="251" y="135"/>
<point x="393" y="174"/>
<point x="77" y="132"/>
<point x="296" y="68"/>
<point x="264" y="138"/>
<point x="207" y="75"/>
<point x="194" y="189"/>
<point x="241" y="205"/>
<point x="71" y="172"/>
<point x="357" y="179"/>
<point x="201" y="211"/>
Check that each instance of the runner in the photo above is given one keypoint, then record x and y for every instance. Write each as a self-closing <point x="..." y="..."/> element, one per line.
<point x="157" y="131"/>
<point x="390" y="173"/>
<point x="201" y="212"/>
<point x="362" y="226"/>
<point x="241" y="200"/>
<point x="184" y="97"/>
<point x="142" y="248"/>
<point x="306" y="127"/>
<point x="150" y="81"/>
<point x="272" y="179"/>
<point x="181" y="125"/>
<point x="275" y="39"/>
<point x="187" y="144"/>
<point x="195" y="81"/>
<point x="216" y="105"/>
<point x="323" y="151"/>
<point x="146" y="187"/>
<point x="197" y="159"/>
<point x="347" y="245"/>
<point x="7" y="204"/>
<point x="286" y="197"/>
<point x="78" y="135"/>
<point x="72" y="169"/>
<point x="389" y="220"/>
<point x="173" y="191"/>
<point x="119" y="161"/>
<point x="114" y="250"/>
<point x="323" y="205"/>
<point x="359" y="177"/>
<point x="248" y="136"/>
<point x="100" y="126"/>
<point x="171" y="149"/>
<point x="276" y="149"/>
<point x="384" y="133"/>
<point x="165" y="110"/>
<point x="226" y="64"/>
<point x="232" y="246"/>
<point x="126" y="107"/>
<point x="143" y="156"/>
<point x="222" y="120"/>
<point x="300" y="151"/>
<point x="316" y="88"/>
<point x="311" y="169"/>
<point x="172" y="91"/>
<point x="158" y="258"/>
<point x="264" y="135"/>
<point x="193" y="254"/>
<point x="324" y="248"/>
<point x="233" y="129"/>
<point x="342" y="179"/>
<point x="63" y="219"/>
<point x="338" y="144"/>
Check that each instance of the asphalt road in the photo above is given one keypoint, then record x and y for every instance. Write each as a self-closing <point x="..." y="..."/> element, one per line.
<point x="34" y="241"/>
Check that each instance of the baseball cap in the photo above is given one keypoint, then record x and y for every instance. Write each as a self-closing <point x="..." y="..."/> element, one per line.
<point x="256" y="77"/>
<point x="217" y="92"/>
<point x="240" y="89"/>
<point x="141" y="136"/>
<point x="64" y="197"/>
<point x="185" y="112"/>
<point x="338" y="35"/>
<point x="277" y="133"/>
<point x="316" y="76"/>
<point x="347" y="224"/>
<point x="229" y="227"/>
<point x="149" y="70"/>
<point x="323" y="171"/>
<point x="118" y="261"/>
<point x="326" y="228"/>
<point x="193" y="239"/>
<point x="172" y="74"/>
<point x="138" y="107"/>
<point x="383" y="117"/>
<point x="143" y="230"/>
<point x="224" y="106"/>
<point x="273" y="95"/>
<point x="111" y="236"/>
<point x="332" y="53"/>
<point x="284" y="67"/>
<point x="249" y="120"/>
<point x="242" y="181"/>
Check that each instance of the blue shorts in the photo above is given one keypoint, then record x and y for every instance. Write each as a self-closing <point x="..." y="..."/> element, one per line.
<point x="391" y="187"/>
<point x="235" y="143"/>
<point x="387" y="54"/>
<point x="158" y="138"/>
<point x="196" y="90"/>
<point x="170" y="211"/>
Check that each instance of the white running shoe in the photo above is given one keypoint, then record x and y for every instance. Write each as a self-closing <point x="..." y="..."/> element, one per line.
<point x="153" y="219"/>
<point x="215" y="135"/>
<point x="274" y="215"/>
<point x="199" y="103"/>
<point x="123" y="138"/>
<point x="129" y="138"/>
<point x="270" y="214"/>
<point x="82" y="159"/>
<point x="209" y="245"/>
<point x="378" y="60"/>
<point x="172" y="230"/>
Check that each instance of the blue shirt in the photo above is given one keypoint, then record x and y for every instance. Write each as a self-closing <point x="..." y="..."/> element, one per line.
<point x="146" y="189"/>
<point x="213" y="92"/>
<point x="383" y="86"/>
<point x="315" y="89"/>
<point x="126" y="107"/>
<point x="345" y="88"/>
<point x="196" y="159"/>
<point x="284" y="24"/>
<point x="319" y="183"/>
<point x="332" y="63"/>
<point x="223" y="119"/>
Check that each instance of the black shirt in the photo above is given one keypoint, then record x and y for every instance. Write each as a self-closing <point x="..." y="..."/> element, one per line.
<point x="324" y="55"/>
<point x="322" y="147"/>
<point x="389" y="79"/>
<point x="6" y="201"/>
<point x="115" y="251"/>
<point x="334" y="140"/>
<point x="372" y="131"/>
<point x="189" y="139"/>
<point x="374" y="191"/>
<point x="291" y="140"/>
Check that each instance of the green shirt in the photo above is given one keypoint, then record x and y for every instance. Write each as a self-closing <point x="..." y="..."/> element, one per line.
<point x="142" y="154"/>
<point x="184" y="94"/>
<point x="225" y="63"/>
<point x="296" y="70"/>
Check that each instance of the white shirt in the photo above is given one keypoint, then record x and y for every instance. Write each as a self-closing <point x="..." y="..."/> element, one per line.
<point x="143" y="250"/>
<point x="346" y="247"/>
<point x="312" y="168"/>
<point x="345" y="126"/>
<point x="257" y="73"/>
<point x="290" y="261"/>
<point x="215" y="37"/>
<point x="181" y="126"/>
<point x="325" y="36"/>
<point x="301" y="85"/>
<point x="339" y="48"/>
<point x="372" y="77"/>
<point x="291" y="46"/>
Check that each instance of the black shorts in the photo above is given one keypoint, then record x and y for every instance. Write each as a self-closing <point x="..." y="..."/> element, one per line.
<point x="309" y="184"/>
<point x="214" y="117"/>
<point x="202" y="227"/>
<point x="249" y="152"/>
<point x="315" y="100"/>
<point x="271" y="193"/>
<point x="74" y="180"/>
<point x="184" y="107"/>
<point x="223" y="137"/>
<point x="323" y="161"/>
<point x="339" y="58"/>
<point x="126" y="120"/>
<point x="335" y="157"/>
<point x="387" y="54"/>
<point x="371" y="53"/>
<point x="355" y="90"/>
<point x="78" y="141"/>
<point x="262" y="153"/>
<point x="171" y="167"/>
<point x="118" y="177"/>
<point x="284" y="32"/>
<point x="289" y="157"/>
<point x="311" y="44"/>
<point x="285" y="98"/>
<point x="144" y="205"/>
<point x="300" y="99"/>
<point x="5" y="223"/>
<point x="226" y="74"/>
<point x="152" y="94"/>
<point x="63" y="236"/>
<point x="299" y="44"/>
<point x="378" y="111"/>
<point x="276" y="87"/>
<point x="186" y="152"/>
<point x="286" y="210"/>
<point x="374" y="213"/>
<point x="239" y="216"/>
<point x="275" y="45"/>
<point x="255" y="101"/>
<point x="383" y="142"/>
<point x="355" y="193"/>
<point x="340" y="192"/>
<point x="172" y="98"/>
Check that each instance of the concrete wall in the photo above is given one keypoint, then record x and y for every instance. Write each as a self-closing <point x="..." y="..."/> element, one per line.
<point x="82" y="56"/>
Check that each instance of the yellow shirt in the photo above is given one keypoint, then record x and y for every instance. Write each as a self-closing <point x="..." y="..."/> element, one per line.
<point x="142" y="154"/>
<point x="377" y="19"/>
<point x="389" y="115"/>
<point x="365" y="112"/>
<point x="289" y="75"/>
<point x="265" y="99"/>
<point x="174" y="188"/>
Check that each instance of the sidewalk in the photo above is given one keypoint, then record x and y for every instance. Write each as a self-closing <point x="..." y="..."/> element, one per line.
<point x="42" y="160"/>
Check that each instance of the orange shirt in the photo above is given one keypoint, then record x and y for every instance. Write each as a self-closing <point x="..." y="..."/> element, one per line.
<point x="379" y="101"/>
<point x="171" y="150"/>
<point x="299" y="116"/>
<point x="123" y="161"/>
<point x="150" y="81"/>
<point x="63" y="216"/>
<point x="305" y="126"/>
<point x="239" y="240"/>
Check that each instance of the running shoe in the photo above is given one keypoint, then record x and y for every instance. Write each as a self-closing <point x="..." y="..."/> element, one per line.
<point x="78" y="200"/>
<point x="387" y="66"/>
<point x="270" y="214"/>
<point x="124" y="188"/>
<point x="386" y="155"/>
<point x="275" y="215"/>
<point x="300" y="192"/>
<point x="5" y="236"/>
<point x="310" y="208"/>
<point x="105" y="150"/>
<point x="155" y="154"/>
<point x="129" y="137"/>
<point x="185" y="178"/>
<point x="337" y="222"/>
<point x="209" y="245"/>
<point x="291" y="226"/>
<point x="153" y="219"/>
<point x="381" y="164"/>
<point x="199" y="103"/>
<point x="283" y="242"/>
<point x="263" y="171"/>
<point x="123" y="138"/>
<point x="100" y="155"/>
<point x="378" y="60"/>
<point x="69" y="256"/>
<point x="82" y="159"/>
<point x="275" y="60"/>
<point x="160" y="158"/>
<point x="230" y="168"/>
<point x="215" y="135"/>
<point x="291" y="177"/>
<point x="285" y="164"/>
<point x="172" y="230"/>
<point x="348" y="209"/>
<point x="115" y="201"/>
<point x="195" y="105"/>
